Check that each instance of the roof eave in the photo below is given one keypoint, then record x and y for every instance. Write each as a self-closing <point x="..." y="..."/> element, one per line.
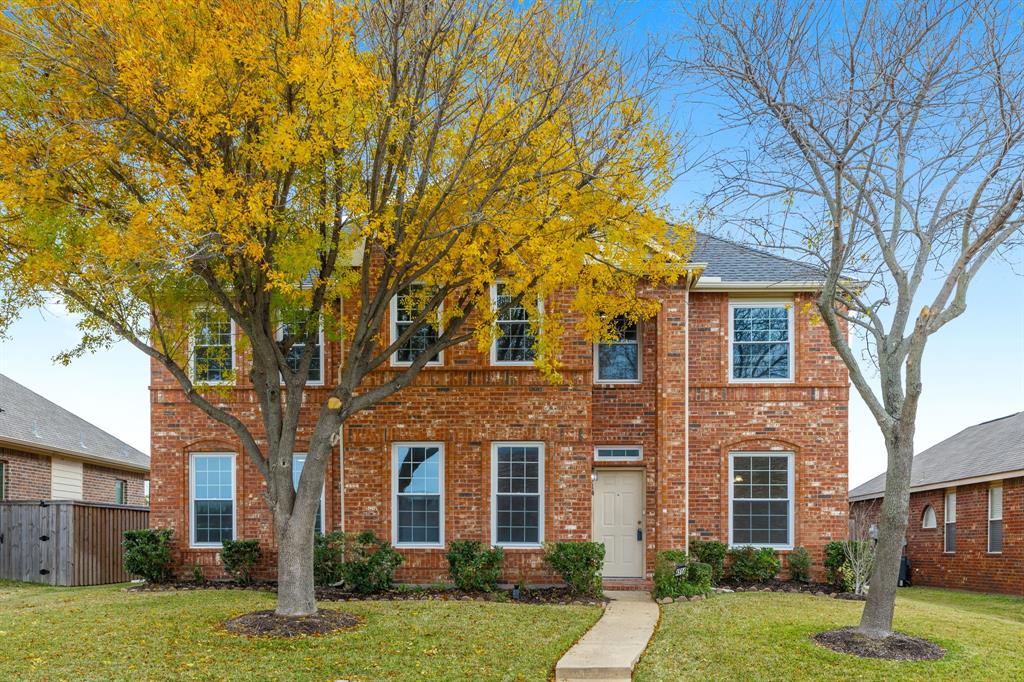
<point x="711" y="284"/>
<point x="952" y="483"/>
<point x="43" y="449"/>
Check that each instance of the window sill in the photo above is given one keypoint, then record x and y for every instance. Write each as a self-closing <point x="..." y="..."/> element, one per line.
<point x="206" y="548"/>
<point x="415" y="546"/>
<point x="632" y="383"/>
<point x="755" y="382"/>
<point x="993" y="553"/>
<point x="405" y="365"/>
<point x="524" y="365"/>
<point x="520" y="546"/>
<point x="777" y="548"/>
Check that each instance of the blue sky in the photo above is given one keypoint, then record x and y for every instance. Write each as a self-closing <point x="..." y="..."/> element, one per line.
<point x="973" y="370"/>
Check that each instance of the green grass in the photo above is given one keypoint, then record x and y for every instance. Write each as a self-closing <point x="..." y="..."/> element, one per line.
<point x="103" y="633"/>
<point x="764" y="635"/>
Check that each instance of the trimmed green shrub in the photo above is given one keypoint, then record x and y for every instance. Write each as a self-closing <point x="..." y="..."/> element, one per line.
<point x="752" y="564"/>
<point x="147" y="554"/>
<point x="711" y="552"/>
<point x="694" y="579"/>
<point x="328" y="555"/>
<point x="800" y="565"/>
<point x="474" y="567"/>
<point x="835" y="557"/>
<point x="240" y="558"/>
<point x="579" y="564"/>
<point x="369" y="564"/>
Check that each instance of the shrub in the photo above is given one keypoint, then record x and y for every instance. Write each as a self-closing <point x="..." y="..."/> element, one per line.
<point x="694" y="579"/>
<point x="755" y="565"/>
<point x="328" y="555"/>
<point x="474" y="567"/>
<point x="369" y="564"/>
<point x="147" y="553"/>
<point x="240" y="558"/>
<point x="835" y="557"/>
<point x="579" y="564"/>
<point x="711" y="552"/>
<point x="198" y="577"/>
<point x="800" y="565"/>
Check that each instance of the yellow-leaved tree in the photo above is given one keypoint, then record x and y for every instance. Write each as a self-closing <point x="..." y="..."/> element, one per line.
<point x="165" y="163"/>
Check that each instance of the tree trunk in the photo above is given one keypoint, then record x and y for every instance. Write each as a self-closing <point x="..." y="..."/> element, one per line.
<point x="295" y="591"/>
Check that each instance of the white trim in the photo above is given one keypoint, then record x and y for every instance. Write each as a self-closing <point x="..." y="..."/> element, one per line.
<point x="192" y="500"/>
<point x="924" y="518"/>
<point x="949" y="510"/>
<point x="959" y="482"/>
<point x="639" y="360"/>
<point x="716" y="284"/>
<point x="494" y="343"/>
<point x="394" y="495"/>
<point x="191" y="357"/>
<point x="540" y="490"/>
<point x="988" y="539"/>
<point x="46" y="449"/>
<point x="392" y="335"/>
<point x="638" y="458"/>
<point x="790" y="307"/>
<point x="279" y="336"/>
<point x="323" y="491"/>
<point x="791" y="466"/>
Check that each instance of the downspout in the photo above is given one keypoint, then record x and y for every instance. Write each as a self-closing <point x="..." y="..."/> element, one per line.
<point x="341" y="429"/>
<point x="686" y="417"/>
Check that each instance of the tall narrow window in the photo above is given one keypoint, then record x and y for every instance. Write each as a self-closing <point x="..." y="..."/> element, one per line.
<point x="516" y="342"/>
<point x="418" y="482"/>
<point x="120" y="493"/>
<point x="212" y="347"/>
<point x="298" y="462"/>
<point x="761" y="499"/>
<point x="761" y="341"/>
<point x="949" y="539"/>
<point x="618" y="361"/>
<point x="213" y="499"/>
<point x="517" y="494"/>
<point x="406" y="307"/>
<point x="3" y="481"/>
<point x="298" y="347"/>
<point x="995" y="519"/>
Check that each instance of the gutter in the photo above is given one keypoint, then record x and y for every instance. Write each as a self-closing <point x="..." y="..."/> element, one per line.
<point x="42" y="449"/>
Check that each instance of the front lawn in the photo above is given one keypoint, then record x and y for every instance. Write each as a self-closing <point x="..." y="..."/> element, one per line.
<point x="103" y="633"/>
<point x="763" y="635"/>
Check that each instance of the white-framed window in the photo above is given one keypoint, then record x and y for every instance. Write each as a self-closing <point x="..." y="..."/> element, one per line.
<point x="760" y="341"/>
<point x="3" y="481"/>
<point x="618" y="361"/>
<point x="928" y="519"/>
<point x="298" y="462"/>
<point x="213" y="347"/>
<point x="949" y="531"/>
<point x="618" y="453"/>
<point x="120" y="491"/>
<point x="995" y="519"/>
<point x="212" y="498"/>
<point x="315" y="375"/>
<point x="417" y="479"/>
<point x="517" y="494"/>
<point x="761" y="499"/>
<point x="516" y="344"/>
<point x="405" y="308"/>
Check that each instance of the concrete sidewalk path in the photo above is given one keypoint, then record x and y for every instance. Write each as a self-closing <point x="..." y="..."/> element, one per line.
<point x="613" y="646"/>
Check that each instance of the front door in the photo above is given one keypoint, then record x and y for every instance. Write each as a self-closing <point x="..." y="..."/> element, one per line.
<point x="618" y="521"/>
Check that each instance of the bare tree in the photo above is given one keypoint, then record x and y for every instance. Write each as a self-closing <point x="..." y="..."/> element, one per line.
<point x="888" y="149"/>
<point x="859" y="548"/>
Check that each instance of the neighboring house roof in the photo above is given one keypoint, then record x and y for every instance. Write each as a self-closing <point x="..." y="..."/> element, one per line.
<point x="29" y="420"/>
<point x="986" y="451"/>
<point x="728" y="263"/>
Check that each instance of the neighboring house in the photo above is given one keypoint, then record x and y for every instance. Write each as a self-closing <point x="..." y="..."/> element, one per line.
<point x="966" y="525"/>
<point x="725" y="417"/>
<point x="47" y="453"/>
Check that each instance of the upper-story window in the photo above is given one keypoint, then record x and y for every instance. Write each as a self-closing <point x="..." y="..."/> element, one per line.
<point x="760" y="341"/>
<point x="618" y="361"/>
<point x="406" y="307"/>
<point x="213" y="347"/>
<point x="298" y="347"/>
<point x="516" y="343"/>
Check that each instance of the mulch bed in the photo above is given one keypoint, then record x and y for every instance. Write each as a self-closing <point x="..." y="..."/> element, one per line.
<point x="819" y="589"/>
<point x="895" y="647"/>
<point x="268" y="624"/>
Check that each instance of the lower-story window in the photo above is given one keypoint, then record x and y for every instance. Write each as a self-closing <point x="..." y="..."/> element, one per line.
<point x="517" y="494"/>
<point x="298" y="462"/>
<point x="213" y="499"/>
<point x="761" y="499"/>
<point x="418" y="482"/>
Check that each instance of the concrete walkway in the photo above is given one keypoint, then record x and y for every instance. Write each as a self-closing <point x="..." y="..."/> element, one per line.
<point x="613" y="646"/>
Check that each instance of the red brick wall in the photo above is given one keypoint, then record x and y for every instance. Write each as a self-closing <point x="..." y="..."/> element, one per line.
<point x="98" y="485"/>
<point x="27" y="475"/>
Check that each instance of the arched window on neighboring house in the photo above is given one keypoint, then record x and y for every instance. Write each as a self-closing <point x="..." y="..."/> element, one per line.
<point x="928" y="517"/>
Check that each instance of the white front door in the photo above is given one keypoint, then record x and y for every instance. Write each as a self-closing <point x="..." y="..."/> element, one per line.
<point x="618" y="521"/>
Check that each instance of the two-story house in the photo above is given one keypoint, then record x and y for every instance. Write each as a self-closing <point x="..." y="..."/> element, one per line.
<point x="724" y="416"/>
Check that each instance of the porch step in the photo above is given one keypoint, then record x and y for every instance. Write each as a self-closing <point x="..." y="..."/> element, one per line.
<point x="628" y="584"/>
<point x="611" y="648"/>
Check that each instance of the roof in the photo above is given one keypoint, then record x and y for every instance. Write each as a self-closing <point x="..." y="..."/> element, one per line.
<point x="30" y="420"/>
<point x="984" y="450"/>
<point x="727" y="261"/>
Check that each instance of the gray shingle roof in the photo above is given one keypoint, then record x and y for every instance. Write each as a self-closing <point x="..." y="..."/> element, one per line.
<point x="986" y="449"/>
<point x="30" y="419"/>
<point x="734" y="262"/>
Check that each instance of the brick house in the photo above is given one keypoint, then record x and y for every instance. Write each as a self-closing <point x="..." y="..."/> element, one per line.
<point x="48" y="453"/>
<point x="966" y="526"/>
<point x="723" y="417"/>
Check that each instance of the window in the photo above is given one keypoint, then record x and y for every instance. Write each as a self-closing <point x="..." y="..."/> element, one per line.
<point x="517" y="494"/>
<point x="616" y="453"/>
<point x="418" y="482"/>
<point x="515" y="345"/>
<point x="995" y="519"/>
<point x="949" y="540"/>
<point x="405" y="308"/>
<point x="298" y="462"/>
<point x="761" y="339"/>
<point x="213" y="348"/>
<point x="3" y="481"/>
<point x="928" y="517"/>
<point x="213" y="499"/>
<point x="120" y="494"/>
<point x="619" y="361"/>
<point x="298" y="347"/>
<point x="761" y="499"/>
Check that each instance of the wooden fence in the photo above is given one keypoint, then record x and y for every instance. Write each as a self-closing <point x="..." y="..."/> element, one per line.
<point x="65" y="542"/>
